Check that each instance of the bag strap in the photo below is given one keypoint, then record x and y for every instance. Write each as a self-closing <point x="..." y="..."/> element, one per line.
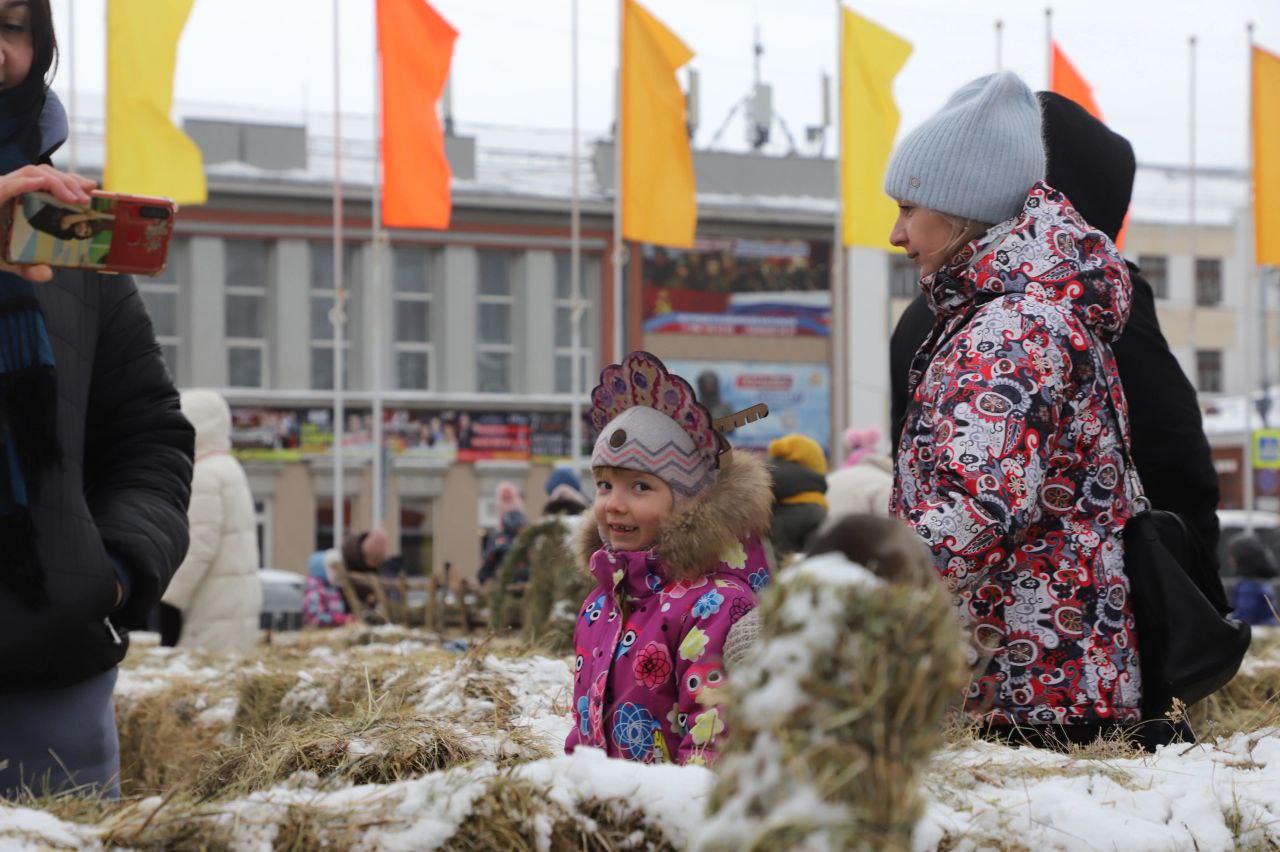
<point x="1141" y="503"/>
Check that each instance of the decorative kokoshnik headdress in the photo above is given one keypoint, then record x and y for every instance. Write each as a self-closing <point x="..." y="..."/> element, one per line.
<point x="650" y="420"/>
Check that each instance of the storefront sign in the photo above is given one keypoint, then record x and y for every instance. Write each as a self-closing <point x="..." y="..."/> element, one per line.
<point x="278" y="434"/>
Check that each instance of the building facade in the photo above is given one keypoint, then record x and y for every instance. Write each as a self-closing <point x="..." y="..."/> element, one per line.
<point x="470" y="328"/>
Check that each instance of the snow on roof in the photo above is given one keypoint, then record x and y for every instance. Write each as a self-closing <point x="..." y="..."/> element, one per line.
<point x="537" y="163"/>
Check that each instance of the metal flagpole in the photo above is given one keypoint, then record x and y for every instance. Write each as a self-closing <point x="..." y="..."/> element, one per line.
<point x="1191" y="178"/>
<point x="618" y="350"/>
<point x="575" y="262"/>
<point x="839" y="302"/>
<point x="999" y="45"/>
<point x="69" y="56"/>
<point x="339" y="315"/>
<point x="375" y="349"/>
<point x="1250" y="272"/>
<point x="1048" y="47"/>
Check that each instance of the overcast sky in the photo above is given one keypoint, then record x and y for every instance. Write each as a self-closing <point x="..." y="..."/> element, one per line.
<point x="512" y="60"/>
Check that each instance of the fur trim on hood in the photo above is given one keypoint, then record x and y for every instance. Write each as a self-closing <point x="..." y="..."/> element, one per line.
<point x="696" y="533"/>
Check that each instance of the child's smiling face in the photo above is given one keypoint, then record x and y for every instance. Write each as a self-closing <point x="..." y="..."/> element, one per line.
<point x="630" y="506"/>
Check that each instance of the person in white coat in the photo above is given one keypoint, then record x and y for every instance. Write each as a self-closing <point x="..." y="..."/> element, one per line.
<point x="217" y="586"/>
<point x="864" y="483"/>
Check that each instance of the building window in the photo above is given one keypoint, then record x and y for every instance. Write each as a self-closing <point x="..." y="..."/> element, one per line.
<point x="160" y="294"/>
<point x="494" y="310"/>
<point x="904" y="277"/>
<point x="590" y="271"/>
<point x="1155" y="268"/>
<point x="322" y="294"/>
<point x="324" y="522"/>
<point x="246" y="284"/>
<point x="1208" y="281"/>
<point x="262" y="521"/>
<point x="414" y="285"/>
<point x="1209" y="370"/>
<point x="417" y="537"/>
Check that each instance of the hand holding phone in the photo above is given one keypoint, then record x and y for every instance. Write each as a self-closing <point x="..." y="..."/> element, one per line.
<point x="67" y="187"/>
<point x="109" y="233"/>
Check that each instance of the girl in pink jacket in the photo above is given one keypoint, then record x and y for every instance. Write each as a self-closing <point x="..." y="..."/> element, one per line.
<point x="676" y="549"/>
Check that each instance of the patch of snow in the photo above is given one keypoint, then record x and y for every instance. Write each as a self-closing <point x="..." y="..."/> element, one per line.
<point x="835" y="569"/>
<point x="1182" y="797"/>
<point x="27" y="828"/>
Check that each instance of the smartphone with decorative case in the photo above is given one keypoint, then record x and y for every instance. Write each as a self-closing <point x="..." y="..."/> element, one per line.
<point x="112" y="233"/>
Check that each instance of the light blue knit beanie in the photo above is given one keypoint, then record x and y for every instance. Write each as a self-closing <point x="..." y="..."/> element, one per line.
<point x="977" y="156"/>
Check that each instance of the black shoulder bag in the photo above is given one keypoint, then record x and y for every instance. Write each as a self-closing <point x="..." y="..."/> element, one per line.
<point x="1188" y="647"/>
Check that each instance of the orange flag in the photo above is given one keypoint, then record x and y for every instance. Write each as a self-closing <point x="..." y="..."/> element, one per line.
<point x="1066" y="81"/>
<point x="415" y="46"/>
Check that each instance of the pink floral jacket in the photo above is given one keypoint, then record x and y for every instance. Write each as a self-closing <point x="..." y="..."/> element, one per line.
<point x="648" y="667"/>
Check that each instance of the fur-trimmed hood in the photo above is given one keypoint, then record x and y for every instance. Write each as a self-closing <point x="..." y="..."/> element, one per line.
<point x="692" y="539"/>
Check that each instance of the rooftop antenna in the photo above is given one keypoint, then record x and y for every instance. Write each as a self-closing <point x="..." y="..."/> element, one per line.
<point x="757" y="107"/>
<point x="816" y="134"/>
<point x="760" y="116"/>
<point x="692" y="103"/>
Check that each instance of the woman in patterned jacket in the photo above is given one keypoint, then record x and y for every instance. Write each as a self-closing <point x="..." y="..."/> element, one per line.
<point x="1011" y="466"/>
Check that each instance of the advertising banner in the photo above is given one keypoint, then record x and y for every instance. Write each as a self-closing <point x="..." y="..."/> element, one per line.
<point x="758" y="288"/>
<point x="798" y="396"/>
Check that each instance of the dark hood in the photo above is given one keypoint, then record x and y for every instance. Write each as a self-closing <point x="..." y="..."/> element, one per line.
<point x="1087" y="162"/>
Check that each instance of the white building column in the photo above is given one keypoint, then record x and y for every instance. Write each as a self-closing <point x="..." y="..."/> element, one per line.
<point x="870" y="323"/>
<point x="207" y="303"/>
<point x="291" y="340"/>
<point x="456" y="353"/>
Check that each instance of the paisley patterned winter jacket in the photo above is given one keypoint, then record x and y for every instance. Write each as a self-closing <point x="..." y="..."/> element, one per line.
<point x="1011" y="467"/>
<point x="650" y="636"/>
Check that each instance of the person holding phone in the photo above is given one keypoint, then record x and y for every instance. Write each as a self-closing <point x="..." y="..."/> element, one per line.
<point x="95" y="465"/>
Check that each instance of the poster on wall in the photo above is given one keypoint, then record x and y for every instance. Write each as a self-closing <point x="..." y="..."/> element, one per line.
<point x="757" y="288"/>
<point x="798" y="396"/>
<point x="278" y="434"/>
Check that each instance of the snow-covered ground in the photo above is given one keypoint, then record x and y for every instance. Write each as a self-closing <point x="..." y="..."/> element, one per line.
<point x="1214" y="796"/>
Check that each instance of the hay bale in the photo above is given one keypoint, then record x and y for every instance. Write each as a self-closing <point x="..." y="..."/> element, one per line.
<point x="840" y="705"/>
<point x="551" y="556"/>
<point x="506" y="609"/>
<point x="379" y="749"/>
<point x="1251" y="700"/>
<point x="516" y="815"/>
<point x="163" y="738"/>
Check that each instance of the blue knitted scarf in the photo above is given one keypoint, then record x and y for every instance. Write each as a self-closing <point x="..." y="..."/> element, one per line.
<point x="28" y="378"/>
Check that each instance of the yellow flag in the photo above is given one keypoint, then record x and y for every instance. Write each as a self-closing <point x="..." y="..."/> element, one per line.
<point x="146" y="154"/>
<point x="1266" y="157"/>
<point x="658" y="200"/>
<point x="871" y="57"/>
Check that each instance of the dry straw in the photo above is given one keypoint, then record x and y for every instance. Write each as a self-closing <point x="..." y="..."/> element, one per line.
<point x="840" y="706"/>
<point x="545" y="605"/>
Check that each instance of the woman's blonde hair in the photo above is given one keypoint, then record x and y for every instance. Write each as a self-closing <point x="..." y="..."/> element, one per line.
<point x="963" y="232"/>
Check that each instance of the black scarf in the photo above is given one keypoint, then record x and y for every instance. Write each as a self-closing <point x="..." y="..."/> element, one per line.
<point x="28" y="375"/>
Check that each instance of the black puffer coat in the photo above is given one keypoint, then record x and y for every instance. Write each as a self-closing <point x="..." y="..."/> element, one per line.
<point x="120" y="492"/>
<point x="794" y="522"/>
